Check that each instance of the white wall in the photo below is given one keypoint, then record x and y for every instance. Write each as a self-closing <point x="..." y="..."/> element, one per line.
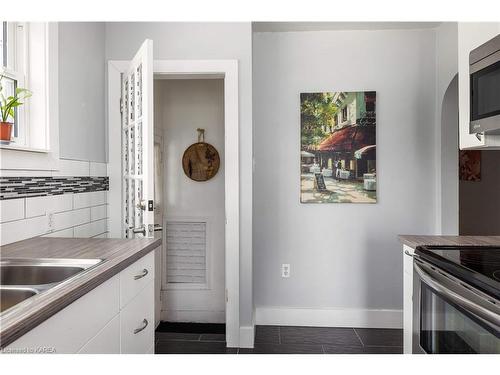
<point x="342" y="256"/>
<point x="185" y="105"/>
<point x="82" y="128"/>
<point x="206" y="41"/>
<point x="448" y="199"/>
<point x="480" y="201"/>
<point x="81" y="138"/>
<point x="447" y="128"/>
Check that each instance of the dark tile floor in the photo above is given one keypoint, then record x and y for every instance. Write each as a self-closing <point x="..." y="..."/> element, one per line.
<point x="287" y="340"/>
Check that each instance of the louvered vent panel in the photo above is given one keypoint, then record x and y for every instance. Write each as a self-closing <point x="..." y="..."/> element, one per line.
<point x="186" y="252"/>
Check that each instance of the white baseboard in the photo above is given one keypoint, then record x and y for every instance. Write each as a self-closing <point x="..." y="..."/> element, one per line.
<point x="197" y="316"/>
<point x="357" y="318"/>
<point x="247" y="335"/>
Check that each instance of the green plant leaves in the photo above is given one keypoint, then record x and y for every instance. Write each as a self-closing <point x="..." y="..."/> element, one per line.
<point x="8" y="105"/>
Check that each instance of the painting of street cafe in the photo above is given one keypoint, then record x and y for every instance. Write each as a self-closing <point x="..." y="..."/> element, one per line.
<point x="338" y="156"/>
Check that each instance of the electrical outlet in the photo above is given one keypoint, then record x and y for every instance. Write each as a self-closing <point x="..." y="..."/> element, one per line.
<point x="50" y="222"/>
<point x="285" y="270"/>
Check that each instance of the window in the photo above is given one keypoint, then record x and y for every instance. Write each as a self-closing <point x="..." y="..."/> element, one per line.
<point x="29" y="59"/>
<point x="344" y="114"/>
<point x="14" y="73"/>
<point x="3" y="43"/>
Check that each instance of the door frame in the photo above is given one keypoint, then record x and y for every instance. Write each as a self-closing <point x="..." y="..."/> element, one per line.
<point x="228" y="70"/>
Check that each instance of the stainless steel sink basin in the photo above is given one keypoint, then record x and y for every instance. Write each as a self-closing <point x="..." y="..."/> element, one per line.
<point x="12" y="296"/>
<point x="21" y="279"/>
<point x="41" y="271"/>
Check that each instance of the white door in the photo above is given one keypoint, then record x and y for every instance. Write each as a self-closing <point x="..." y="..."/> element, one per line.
<point x="137" y="145"/>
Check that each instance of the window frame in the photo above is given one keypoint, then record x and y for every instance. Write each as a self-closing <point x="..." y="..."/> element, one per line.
<point x="15" y="70"/>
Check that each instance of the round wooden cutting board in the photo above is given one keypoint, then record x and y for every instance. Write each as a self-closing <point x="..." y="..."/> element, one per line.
<point x="200" y="161"/>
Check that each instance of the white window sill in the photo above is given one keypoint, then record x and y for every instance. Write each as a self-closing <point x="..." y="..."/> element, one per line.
<point x="15" y="147"/>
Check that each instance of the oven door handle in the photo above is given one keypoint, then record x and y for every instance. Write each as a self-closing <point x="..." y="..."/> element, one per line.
<point x="488" y="316"/>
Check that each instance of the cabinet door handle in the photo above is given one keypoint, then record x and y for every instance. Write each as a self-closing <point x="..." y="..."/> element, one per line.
<point x="144" y="325"/>
<point x="144" y="273"/>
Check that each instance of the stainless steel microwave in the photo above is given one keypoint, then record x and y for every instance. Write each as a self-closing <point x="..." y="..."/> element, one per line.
<point x="485" y="88"/>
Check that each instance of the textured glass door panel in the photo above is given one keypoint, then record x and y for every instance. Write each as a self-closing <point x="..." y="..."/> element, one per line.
<point x="137" y="149"/>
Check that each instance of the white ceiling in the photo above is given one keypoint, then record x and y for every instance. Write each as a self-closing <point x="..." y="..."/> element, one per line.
<point x="325" y="26"/>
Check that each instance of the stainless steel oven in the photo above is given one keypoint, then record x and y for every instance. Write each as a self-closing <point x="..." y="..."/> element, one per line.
<point x="485" y="88"/>
<point x="451" y="316"/>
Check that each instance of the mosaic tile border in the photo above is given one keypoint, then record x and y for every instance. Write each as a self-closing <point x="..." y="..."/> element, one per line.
<point x="25" y="187"/>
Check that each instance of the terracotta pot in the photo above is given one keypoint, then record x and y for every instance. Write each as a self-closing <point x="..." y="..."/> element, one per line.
<point x="5" y="131"/>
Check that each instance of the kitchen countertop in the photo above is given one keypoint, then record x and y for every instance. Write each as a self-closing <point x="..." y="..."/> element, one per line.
<point x="116" y="255"/>
<point x="414" y="241"/>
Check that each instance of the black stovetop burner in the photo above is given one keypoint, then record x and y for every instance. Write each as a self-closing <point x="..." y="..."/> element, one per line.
<point x="476" y="265"/>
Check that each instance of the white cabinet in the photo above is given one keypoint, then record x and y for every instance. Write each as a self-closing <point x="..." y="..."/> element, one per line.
<point x="135" y="277"/>
<point x="407" y="298"/>
<point x="107" y="341"/>
<point x="116" y="317"/>
<point x="470" y="36"/>
<point x="137" y="322"/>
<point x="72" y="327"/>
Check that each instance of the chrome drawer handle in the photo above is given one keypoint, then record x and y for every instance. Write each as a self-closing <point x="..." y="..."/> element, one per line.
<point x="414" y="256"/>
<point x="408" y="253"/>
<point x="145" y="324"/>
<point x="144" y="273"/>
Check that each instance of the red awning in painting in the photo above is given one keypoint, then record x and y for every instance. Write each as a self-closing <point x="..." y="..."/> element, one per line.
<point x="367" y="152"/>
<point x="349" y="139"/>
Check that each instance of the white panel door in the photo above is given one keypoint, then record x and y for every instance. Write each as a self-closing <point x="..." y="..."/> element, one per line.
<point x="137" y="144"/>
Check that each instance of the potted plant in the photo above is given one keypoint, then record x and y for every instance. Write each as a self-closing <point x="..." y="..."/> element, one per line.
<point x="8" y="106"/>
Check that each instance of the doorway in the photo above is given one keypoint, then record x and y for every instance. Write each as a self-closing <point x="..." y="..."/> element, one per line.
<point x="227" y="71"/>
<point x="192" y="212"/>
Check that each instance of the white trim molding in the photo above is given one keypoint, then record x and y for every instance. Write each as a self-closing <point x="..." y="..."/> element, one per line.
<point x="357" y="318"/>
<point x="247" y="336"/>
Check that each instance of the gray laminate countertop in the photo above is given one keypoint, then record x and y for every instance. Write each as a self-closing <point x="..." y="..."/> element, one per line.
<point x="116" y="255"/>
<point x="414" y="241"/>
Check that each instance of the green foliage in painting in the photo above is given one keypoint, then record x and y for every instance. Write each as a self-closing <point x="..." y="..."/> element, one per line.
<point x="317" y="112"/>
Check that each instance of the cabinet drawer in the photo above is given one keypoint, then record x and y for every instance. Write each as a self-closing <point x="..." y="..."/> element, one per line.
<point x="69" y="329"/>
<point x="107" y="341"/>
<point x="135" y="277"/>
<point x="138" y="315"/>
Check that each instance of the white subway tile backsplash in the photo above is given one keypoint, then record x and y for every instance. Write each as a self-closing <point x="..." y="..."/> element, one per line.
<point x="67" y="233"/>
<point x="22" y="229"/>
<point x="98" y="169"/>
<point x="91" y="229"/>
<point x="98" y="212"/>
<point x="94" y="198"/>
<point x="69" y="219"/>
<point x="11" y="209"/>
<point x="74" y="168"/>
<point x="49" y="204"/>
<point x="73" y="213"/>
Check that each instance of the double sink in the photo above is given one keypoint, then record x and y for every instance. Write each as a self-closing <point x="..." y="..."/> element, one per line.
<point x="21" y="279"/>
